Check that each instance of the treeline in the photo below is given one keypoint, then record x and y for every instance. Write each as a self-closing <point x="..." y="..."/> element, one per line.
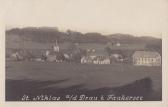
<point x="44" y="35"/>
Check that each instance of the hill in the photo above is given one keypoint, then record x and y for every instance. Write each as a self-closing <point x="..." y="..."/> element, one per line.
<point x="44" y="36"/>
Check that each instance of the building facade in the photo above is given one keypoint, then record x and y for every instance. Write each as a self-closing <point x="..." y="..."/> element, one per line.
<point x="146" y="58"/>
<point x="95" y="60"/>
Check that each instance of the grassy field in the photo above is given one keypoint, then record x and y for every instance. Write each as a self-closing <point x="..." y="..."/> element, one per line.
<point x="35" y="78"/>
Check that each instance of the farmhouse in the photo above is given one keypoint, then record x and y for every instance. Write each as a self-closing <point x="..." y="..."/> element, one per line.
<point x="146" y="58"/>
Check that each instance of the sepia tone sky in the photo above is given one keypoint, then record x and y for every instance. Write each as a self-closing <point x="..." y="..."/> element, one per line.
<point x="137" y="17"/>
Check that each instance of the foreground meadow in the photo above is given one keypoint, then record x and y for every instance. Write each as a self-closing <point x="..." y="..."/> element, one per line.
<point x="36" y="78"/>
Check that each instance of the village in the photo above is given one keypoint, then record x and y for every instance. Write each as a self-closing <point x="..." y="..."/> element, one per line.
<point x="83" y="50"/>
<point x="79" y="53"/>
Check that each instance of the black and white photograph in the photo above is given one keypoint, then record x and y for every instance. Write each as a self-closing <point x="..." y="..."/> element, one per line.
<point x="84" y="50"/>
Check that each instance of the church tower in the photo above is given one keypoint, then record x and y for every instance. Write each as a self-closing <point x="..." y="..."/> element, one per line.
<point x="56" y="47"/>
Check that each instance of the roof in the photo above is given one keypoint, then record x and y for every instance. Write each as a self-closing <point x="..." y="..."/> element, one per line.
<point x="146" y="54"/>
<point x="101" y="58"/>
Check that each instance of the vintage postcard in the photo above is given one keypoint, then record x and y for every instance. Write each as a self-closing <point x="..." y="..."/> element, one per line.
<point x="101" y="51"/>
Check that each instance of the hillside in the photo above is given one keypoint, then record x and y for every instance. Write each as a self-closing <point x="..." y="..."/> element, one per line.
<point x="45" y="36"/>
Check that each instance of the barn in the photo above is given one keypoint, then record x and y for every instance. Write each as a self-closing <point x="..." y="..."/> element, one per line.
<point x="146" y="58"/>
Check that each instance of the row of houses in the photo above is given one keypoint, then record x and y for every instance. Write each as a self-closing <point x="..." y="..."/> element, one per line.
<point x="139" y="58"/>
<point x="100" y="56"/>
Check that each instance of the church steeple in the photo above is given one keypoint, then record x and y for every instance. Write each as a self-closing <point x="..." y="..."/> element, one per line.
<point x="56" y="47"/>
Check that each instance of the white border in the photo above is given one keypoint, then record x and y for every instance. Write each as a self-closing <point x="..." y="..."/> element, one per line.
<point x="163" y="103"/>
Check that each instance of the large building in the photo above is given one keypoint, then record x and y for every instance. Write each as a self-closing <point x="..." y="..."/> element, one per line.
<point x="146" y="58"/>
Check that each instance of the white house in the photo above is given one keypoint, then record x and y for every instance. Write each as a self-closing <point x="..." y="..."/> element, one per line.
<point x="101" y="60"/>
<point x="146" y="58"/>
<point x="86" y="60"/>
<point x="95" y="60"/>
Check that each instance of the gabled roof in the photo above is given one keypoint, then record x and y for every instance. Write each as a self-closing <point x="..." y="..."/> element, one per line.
<point x="146" y="54"/>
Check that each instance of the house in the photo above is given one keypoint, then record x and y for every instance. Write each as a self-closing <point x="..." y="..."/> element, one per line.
<point x="54" y="55"/>
<point x="101" y="60"/>
<point x="146" y="58"/>
<point x="95" y="60"/>
<point x="16" y="56"/>
<point x="51" y="58"/>
<point x="116" y="57"/>
<point x="86" y="60"/>
<point x="95" y="54"/>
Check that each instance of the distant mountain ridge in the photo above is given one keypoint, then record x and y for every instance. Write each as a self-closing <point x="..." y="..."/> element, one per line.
<point x="44" y="34"/>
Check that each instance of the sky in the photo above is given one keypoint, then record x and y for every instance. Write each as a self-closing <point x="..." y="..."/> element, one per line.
<point x="137" y="17"/>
